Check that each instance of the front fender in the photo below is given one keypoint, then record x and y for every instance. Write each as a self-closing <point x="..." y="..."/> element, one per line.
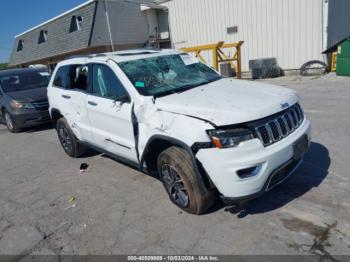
<point x="176" y="127"/>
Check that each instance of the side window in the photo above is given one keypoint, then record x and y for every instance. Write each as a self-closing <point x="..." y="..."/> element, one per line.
<point x="79" y="77"/>
<point x="72" y="77"/>
<point x="60" y="77"/>
<point x="106" y="84"/>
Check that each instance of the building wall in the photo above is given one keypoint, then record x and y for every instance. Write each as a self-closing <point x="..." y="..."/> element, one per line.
<point x="338" y="21"/>
<point x="127" y="23"/>
<point x="163" y="22"/>
<point x="290" y="30"/>
<point x="59" y="40"/>
<point x="152" y="23"/>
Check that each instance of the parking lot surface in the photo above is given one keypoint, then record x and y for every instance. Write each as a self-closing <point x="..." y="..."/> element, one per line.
<point x="47" y="206"/>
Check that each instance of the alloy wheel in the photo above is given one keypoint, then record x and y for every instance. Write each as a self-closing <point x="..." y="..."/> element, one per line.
<point x="174" y="185"/>
<point x="8" y="121"/>
<point x="65" y="139"/>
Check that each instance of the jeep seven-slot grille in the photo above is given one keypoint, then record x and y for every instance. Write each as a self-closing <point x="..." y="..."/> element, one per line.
<point x="281" y="126"/>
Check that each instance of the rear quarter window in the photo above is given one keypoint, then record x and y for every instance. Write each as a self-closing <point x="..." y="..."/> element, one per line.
<point x="71" y="77"/>
<point x="60" y="79"/>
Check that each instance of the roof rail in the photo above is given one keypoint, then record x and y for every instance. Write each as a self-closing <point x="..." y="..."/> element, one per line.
<point x="138" y="51"/>
<point x="75" y="56"/>
<point x="85" y="56"/>
<point x="97" y="55"/>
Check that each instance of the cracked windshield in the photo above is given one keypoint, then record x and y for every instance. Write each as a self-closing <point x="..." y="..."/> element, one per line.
<point x="164" y="75"/>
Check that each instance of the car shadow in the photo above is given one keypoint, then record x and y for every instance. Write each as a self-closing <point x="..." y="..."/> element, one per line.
<point x="310" y="174"/>
<point x="134" y="167"/>
<point x="39" y="128"/>
<point x="90" y="152"/>
<point x="125" y="163"/>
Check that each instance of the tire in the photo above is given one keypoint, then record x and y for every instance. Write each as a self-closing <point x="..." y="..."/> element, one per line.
<point x="2" y="121"/>
<point x="68" y="140"/>
<point x="313" y="68"/>
<point x="181" y="182"/>
<point x="10" y="124"/>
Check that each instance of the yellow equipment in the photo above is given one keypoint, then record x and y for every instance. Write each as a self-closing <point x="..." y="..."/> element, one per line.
<point x="219" y="55"/>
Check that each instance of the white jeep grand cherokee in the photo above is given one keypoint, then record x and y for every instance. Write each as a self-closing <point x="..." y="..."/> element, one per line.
<point x="170" y="115"/>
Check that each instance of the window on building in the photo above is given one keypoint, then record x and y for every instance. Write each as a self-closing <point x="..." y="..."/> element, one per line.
<point x="42" y="36"/>
<point x="75" y="23"/>
<point x="79" y="22"/>
<point x="20" y="45"/>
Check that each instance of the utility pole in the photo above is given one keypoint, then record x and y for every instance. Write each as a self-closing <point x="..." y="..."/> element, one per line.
<point x="108" y="25"/>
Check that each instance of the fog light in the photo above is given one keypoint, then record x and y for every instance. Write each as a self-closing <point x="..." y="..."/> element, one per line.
<point x="249" y="172"/>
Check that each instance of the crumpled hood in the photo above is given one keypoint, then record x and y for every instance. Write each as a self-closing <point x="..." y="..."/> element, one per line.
<point x="229" y="101"/>
<point x="30" y="95"/>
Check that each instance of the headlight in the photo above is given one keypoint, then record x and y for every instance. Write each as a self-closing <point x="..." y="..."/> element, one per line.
<point x="20" y="105"/>
<point x="230" y="137"/>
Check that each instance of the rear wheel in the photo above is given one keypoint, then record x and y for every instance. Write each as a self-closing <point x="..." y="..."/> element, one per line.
<point x="10" y="124"/>
<point x="69" y="142"/>
<point x="181" y="182"/>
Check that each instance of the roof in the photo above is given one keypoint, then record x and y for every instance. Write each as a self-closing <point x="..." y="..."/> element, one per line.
<point x="56" y="17"/>
<point x="152" y="3"/>
<point x="123" y="56"/>
<point x="334" y="47"/>
<point x="9" y="72"/>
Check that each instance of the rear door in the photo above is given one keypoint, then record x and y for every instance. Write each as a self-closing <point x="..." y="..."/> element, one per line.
<point x="70" y="91"/>
<point x="109" y="109"/>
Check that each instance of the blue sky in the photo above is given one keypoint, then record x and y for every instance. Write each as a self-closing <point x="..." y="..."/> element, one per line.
<point x="16" y="16"/>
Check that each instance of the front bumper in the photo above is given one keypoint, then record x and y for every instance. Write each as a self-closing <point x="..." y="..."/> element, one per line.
<point x="31" y="118"/>
<point x="222" y="165"/>
<point x="281" y="174"/>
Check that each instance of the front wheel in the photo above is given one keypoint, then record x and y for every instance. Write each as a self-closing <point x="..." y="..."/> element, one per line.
<point x="69" y="142"/>
<point x="10" y="124"/>
<point x="181" y="182"/>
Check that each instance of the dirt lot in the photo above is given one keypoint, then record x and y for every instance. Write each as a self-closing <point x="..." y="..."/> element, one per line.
<point x="115" y="209"/>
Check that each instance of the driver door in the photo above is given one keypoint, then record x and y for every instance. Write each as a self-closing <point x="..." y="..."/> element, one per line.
<point x="109" y="110"/>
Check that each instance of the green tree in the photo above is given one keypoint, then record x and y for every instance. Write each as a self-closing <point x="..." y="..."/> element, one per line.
<point x="3" y="66"/>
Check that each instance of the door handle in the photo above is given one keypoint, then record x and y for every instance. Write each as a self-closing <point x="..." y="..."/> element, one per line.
<point x="91" y="103"/>
<point x="66" y="97"/>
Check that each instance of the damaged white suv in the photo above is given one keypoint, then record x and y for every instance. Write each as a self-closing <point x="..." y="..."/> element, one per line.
<point x="170" y="115"/>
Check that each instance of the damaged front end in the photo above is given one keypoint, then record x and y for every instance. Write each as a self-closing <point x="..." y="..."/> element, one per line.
<point x="156" y="129"/>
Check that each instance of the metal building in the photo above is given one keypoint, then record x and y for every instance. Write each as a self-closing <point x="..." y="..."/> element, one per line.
<point x="292" y="31"/>
<point x="93" y="27"/>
